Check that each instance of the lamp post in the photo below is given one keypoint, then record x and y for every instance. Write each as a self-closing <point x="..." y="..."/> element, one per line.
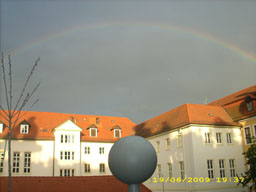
<point x="132" y="160"/>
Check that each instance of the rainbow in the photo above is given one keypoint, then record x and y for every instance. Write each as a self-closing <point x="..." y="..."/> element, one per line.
<point x="204" y="36"/>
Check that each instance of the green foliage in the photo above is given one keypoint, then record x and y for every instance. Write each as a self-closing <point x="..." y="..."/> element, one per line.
<point x="250" y="175"/>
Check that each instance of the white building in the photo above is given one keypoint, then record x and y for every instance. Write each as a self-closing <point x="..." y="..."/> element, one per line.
<point x="58" y="144"/>
<point x="199" y="148"/>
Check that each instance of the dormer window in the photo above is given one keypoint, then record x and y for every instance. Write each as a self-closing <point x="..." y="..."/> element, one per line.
<point x="117" y="133"/>
<point x="93" y="132"/>
<point x="24" y="127"/>
<point x="249" y="103"/>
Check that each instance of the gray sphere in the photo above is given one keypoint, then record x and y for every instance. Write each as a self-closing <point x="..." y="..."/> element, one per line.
<point x="132" y="159"/>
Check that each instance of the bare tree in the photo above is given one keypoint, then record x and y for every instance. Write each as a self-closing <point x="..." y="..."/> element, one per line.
<point x="12" y="113"/>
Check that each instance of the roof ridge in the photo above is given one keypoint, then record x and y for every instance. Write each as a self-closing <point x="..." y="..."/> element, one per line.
<point x="216" y="101"/>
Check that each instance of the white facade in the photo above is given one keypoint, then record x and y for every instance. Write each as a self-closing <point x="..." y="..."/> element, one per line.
<point x="188" y="147"/>
<point x="64" y="156"/>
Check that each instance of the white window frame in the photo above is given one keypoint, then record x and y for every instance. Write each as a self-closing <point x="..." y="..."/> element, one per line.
<point x="222" y="168"/>
<point x="96" y="131"/>
<point x="16" y="163"/>
<point x="169" y="169"/>
<point x="67" y="138"/>
<point x="182" y="169"/>
<point x="159" y="170"/>
<point x="119" y="130"/>
<point x="24" y="128"/>
<point x="207" y="137"/>
<point x="67" y="172"/>
<point x="210" y="168"/>
<point x="102" y="168"/>
<point x="232" y="167"/>
<point x="229" y="138"/>
<point x="1" y="162"/>
<point x="67" y="155"/>
<point x="101" y="150"/>
<point x="168" y="143"/>
<point x="27" y="163"/>
<point x="245" y="136"/>
<point x="87" y="150"/>
<point x="158" y="149"/>
<point x="87" y="168"/>
<point x="1" y="127"/>
<point x="219" y="138"/>
<point x="179" y="140"/>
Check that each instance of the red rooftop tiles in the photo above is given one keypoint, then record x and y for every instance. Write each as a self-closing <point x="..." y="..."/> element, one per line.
<point x="42" y="125"/>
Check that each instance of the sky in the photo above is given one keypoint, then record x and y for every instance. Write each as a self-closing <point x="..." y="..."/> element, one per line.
<point x="128" y="58"/>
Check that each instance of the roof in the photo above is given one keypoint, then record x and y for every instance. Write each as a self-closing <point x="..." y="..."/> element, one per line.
<point x="184" y="115"/>
<point x="239" y="95"/>
<point x="42" y="125"/>
<point x="66" y="184"/>
<point x="235" y="104"/>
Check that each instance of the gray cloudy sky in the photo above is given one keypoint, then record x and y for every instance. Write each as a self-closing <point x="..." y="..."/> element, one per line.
<point x="128" y="58"/>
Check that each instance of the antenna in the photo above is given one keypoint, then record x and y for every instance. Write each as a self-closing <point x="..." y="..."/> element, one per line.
<point x="205" y="100"/>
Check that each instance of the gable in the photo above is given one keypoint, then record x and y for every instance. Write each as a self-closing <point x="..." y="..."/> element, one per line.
<point x="67" y="126"/>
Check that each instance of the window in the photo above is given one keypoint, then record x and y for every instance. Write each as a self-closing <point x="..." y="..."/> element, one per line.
<point x="101" y="150"/>
<point x="1" y="127"/>
<point x="249" y="105"/>
<point x="67" y="155"/>
<point x="207" y="137"/>
<point x="210" y="169"/>
<point x="97" y="120"/>
<point x="159" y="169"/>
<point x="229" y="138"/>
<point x="87" y="168"/>
<point x="1" y="162"/>
<point x="158" y="146"/>
<point x="255" y="130"/>
<point x="102" y="168"/>
<point x="218" y="137"/>
<point x="87" y="150"/>
<point x="168" y="143"/>
<point x="117" y="133"/>
<point x="222" y="168"/>
<point x="179" y="141"/>
<point x="16" y="162"/>
<point x="247" y="132"/>
<point x="182" y="170"/>
<point x="27" y="161"/>
<point x="67" y="172"/>
<point x="67" y="138"/>
<point x="169" y="170"/>
<point x="24" y="129"/>
<point x="93" y="132"/>
<point x="232" y="167"/>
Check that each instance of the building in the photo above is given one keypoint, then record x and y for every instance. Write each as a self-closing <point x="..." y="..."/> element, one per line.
<point x="58" y="144"/>
<point x="199" y="148"/>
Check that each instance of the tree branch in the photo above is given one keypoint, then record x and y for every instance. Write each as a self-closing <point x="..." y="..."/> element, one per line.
<point x="24" y="88"/>
<point x="26" y="99"/>
<point x="5" y="85"/>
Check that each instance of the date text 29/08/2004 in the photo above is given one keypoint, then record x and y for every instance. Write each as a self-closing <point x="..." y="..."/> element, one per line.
<point x="198" y="180"/>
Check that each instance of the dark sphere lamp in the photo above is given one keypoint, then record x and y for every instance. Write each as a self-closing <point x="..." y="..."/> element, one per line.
<point x="132" y="160"/>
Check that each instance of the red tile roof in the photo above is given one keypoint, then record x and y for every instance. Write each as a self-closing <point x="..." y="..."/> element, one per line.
<point x="184" y="115"/>
<point x="43" y="123"/>
<point x="235" y="104"/>
<point x="239" y="95"/>
<point x="66" y="184"/>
